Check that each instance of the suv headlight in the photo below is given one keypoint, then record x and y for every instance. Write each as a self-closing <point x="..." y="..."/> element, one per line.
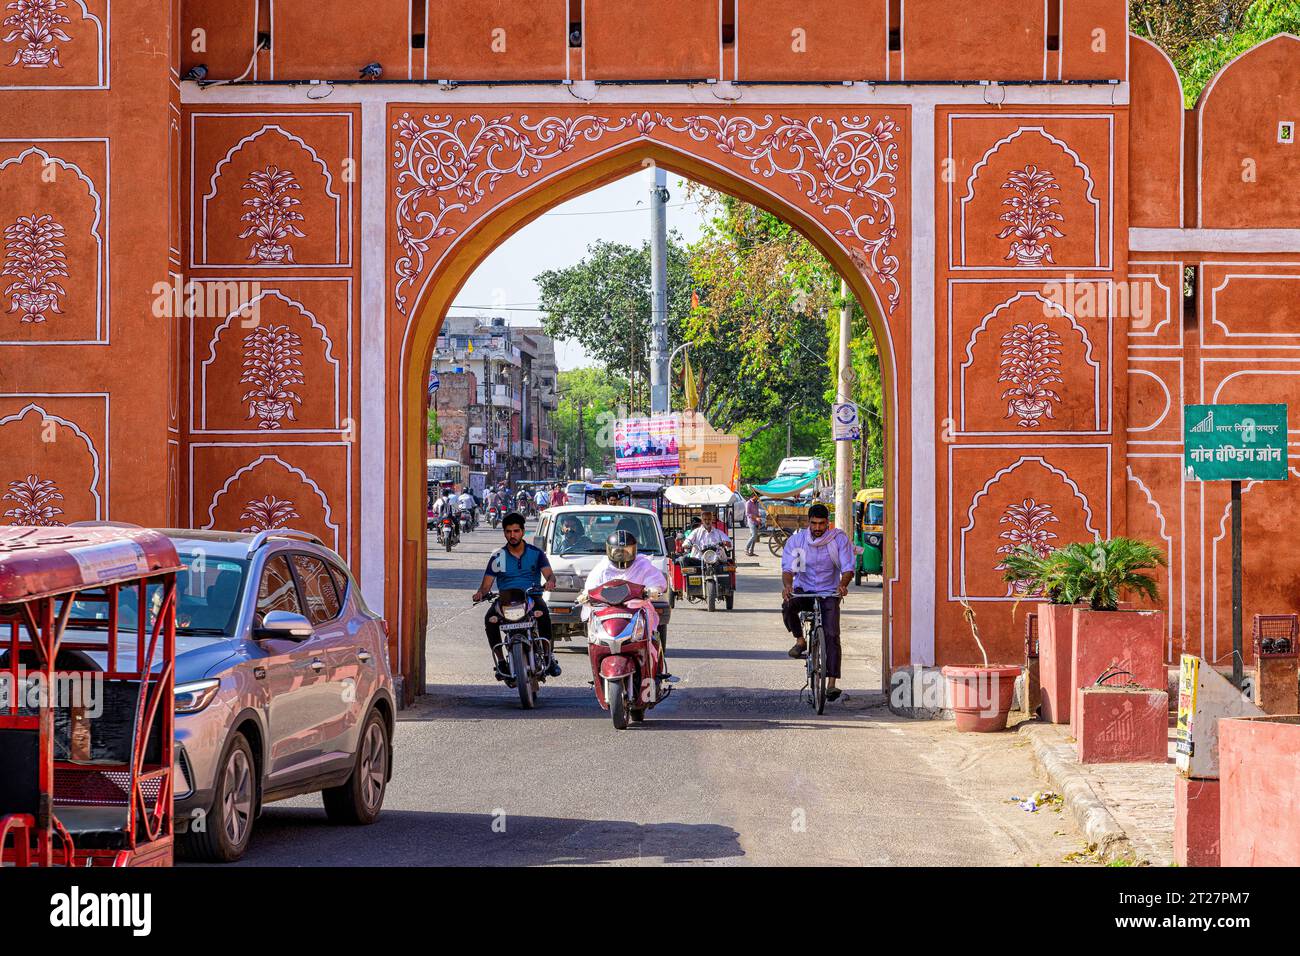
<point x="194" y="696"/>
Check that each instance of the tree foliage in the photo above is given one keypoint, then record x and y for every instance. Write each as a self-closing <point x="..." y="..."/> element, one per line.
<point x="603" y="302"/>
<point x="596" y="393"/>
<point x="1203" y="36"/>
<point x="763" y="336"/>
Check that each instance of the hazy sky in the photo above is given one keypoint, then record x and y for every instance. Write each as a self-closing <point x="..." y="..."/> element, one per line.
<point x="503" y="284"/>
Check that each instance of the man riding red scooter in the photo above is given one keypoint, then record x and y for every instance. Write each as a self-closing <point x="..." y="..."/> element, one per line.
<point x="627" y="661"/>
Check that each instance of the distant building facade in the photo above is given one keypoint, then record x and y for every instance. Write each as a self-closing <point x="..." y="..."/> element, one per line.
<point x="495" y="397"/>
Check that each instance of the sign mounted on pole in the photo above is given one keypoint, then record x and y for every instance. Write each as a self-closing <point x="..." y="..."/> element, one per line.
<point x="846" y="424"/>
<point x="1234" y="442"/>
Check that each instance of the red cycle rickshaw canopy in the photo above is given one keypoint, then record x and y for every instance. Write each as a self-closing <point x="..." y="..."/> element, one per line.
<point x="42" y="562"/>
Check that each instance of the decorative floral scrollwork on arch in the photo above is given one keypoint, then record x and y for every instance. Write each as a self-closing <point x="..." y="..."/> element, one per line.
<point x="846" y="169"/>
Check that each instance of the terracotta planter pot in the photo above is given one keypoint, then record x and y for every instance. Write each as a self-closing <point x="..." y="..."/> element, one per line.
<point x="1102" y="641"/>
<point x="1055" y="660"/>
<point x="1259" y="776"/>
<point x="981" y="696"/>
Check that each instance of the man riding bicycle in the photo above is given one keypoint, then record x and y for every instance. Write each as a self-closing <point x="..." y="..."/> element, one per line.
<point x="816" y="559"/>
<point x="518" y="565"/>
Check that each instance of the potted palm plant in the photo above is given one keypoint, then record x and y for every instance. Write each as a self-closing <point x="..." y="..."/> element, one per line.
<point x="1106" y="638"/>
<point x="1033" y="574"/>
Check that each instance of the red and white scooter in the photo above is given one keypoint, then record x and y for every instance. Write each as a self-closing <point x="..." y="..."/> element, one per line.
<point x="627" y="668"/>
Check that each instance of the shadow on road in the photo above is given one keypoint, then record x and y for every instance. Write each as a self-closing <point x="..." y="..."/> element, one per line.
<point x="301" y="836"/>
<point x="713" y="653"/>
<point x="689" y="708"/>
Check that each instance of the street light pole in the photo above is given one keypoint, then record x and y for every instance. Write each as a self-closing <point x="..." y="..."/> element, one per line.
<point x="659" y="358"/>
<point x="843" y="395"/>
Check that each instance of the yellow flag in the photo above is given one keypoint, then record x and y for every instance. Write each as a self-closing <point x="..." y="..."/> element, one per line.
<point x="692" y="396"/>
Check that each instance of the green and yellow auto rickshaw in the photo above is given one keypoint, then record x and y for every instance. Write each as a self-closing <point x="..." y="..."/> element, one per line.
<point x="869" y="533"/>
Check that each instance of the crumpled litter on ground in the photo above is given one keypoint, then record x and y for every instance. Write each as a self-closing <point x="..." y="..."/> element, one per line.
<point x="1039" y="798"/>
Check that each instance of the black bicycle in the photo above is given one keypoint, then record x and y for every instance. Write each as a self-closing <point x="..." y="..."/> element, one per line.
<point x="815" y="636"/>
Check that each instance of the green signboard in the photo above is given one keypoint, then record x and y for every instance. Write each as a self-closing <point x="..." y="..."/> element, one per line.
<point x="1234" y="442"/>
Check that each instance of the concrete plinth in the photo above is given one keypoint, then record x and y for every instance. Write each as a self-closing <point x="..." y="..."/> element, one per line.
<point x="1054" y="662"/>
<point x="1259" y="775"/>
<point x="1106" y="641"/>
<point x="1196" y="821"/>
<point x="1277" y="685"/>
<point x="1123" y="725"/>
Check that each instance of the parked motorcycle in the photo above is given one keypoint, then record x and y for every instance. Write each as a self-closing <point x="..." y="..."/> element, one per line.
<point x="527" y="653"/>
<point x="450" y="536"/>
<point x="627" y="668"/>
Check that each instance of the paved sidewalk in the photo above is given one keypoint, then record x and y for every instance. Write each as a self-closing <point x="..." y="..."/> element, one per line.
<point x="1125" y="809"/>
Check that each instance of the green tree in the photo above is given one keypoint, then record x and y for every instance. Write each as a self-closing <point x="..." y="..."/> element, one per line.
<point x="759" y="331"/>
<point x="1203" y="36"/>
<point x="603" y="302"/>
<point x="762" y="336"/>
<point x="597" y="393"/>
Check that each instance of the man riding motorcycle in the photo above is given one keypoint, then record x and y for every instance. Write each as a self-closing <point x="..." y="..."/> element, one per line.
<point x="623" y="563"/>
<point x="818" y="558"/>
<point x="708" y="535"/>
<point x="467" y="505"/>
<point x="443" y="507"/>
<point x="522" y="566"/>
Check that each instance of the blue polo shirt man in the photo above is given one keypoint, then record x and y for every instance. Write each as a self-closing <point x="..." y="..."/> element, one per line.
<point x="521" y="566"/>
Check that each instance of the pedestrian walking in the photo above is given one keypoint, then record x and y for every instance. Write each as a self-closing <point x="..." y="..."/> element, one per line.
<point x="754" y="519"/>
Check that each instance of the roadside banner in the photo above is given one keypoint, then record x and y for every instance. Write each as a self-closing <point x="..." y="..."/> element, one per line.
<point x="647" y="447"/>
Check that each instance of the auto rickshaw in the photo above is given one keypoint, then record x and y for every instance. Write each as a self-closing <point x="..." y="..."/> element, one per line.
<point x="715" y="578"/>
<point x="869" y="533"/>
<point x="87" y="651"/>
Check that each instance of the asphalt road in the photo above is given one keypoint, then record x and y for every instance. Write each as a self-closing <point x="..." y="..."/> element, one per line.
<point x="733" y="769"/>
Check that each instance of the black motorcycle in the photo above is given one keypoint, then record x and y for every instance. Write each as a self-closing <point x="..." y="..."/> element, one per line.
<point x="527" y="653"/>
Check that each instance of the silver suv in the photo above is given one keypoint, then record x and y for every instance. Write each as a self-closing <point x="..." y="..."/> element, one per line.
<point x="283" y="687"/>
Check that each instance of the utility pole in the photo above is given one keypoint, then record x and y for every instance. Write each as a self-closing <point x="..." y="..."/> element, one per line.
<point x="844" y="394"/>
<point x="659" y="293"/>
<point x="582" y="444"/>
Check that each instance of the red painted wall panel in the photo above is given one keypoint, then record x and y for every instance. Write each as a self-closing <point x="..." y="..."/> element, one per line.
<point x="311" y="41"/>
<point x="1093" y="39"/>
<point x="947" y="41"/>
<point x="496" y="39"/>
<point x="839" y="40"/>
<point x="633" y="40"/>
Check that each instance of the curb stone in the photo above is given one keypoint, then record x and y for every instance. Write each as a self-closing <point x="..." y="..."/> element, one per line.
<point x="1099" y="826"/>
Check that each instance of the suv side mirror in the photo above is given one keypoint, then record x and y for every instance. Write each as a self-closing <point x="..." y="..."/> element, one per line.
<point x="284" y="626"/>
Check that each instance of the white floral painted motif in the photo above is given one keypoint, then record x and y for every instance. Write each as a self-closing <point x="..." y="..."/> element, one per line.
<point x="266" y="514"/>
<point x="1028" y="528"/>
<point x="34" y="259"/>
<point x="272" y="365"/>
<point x="846" y="167"/>
<point x="34" y="499"/>
<point x="1031" y="362"/>
<point x="271" y="215"/>
<point x="1031" y="216"/>
<point x="38" y="25"/>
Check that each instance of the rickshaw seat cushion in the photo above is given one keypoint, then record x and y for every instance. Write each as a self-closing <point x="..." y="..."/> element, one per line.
<point x="20" y="790"/>
<point x="94" y="828"/>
